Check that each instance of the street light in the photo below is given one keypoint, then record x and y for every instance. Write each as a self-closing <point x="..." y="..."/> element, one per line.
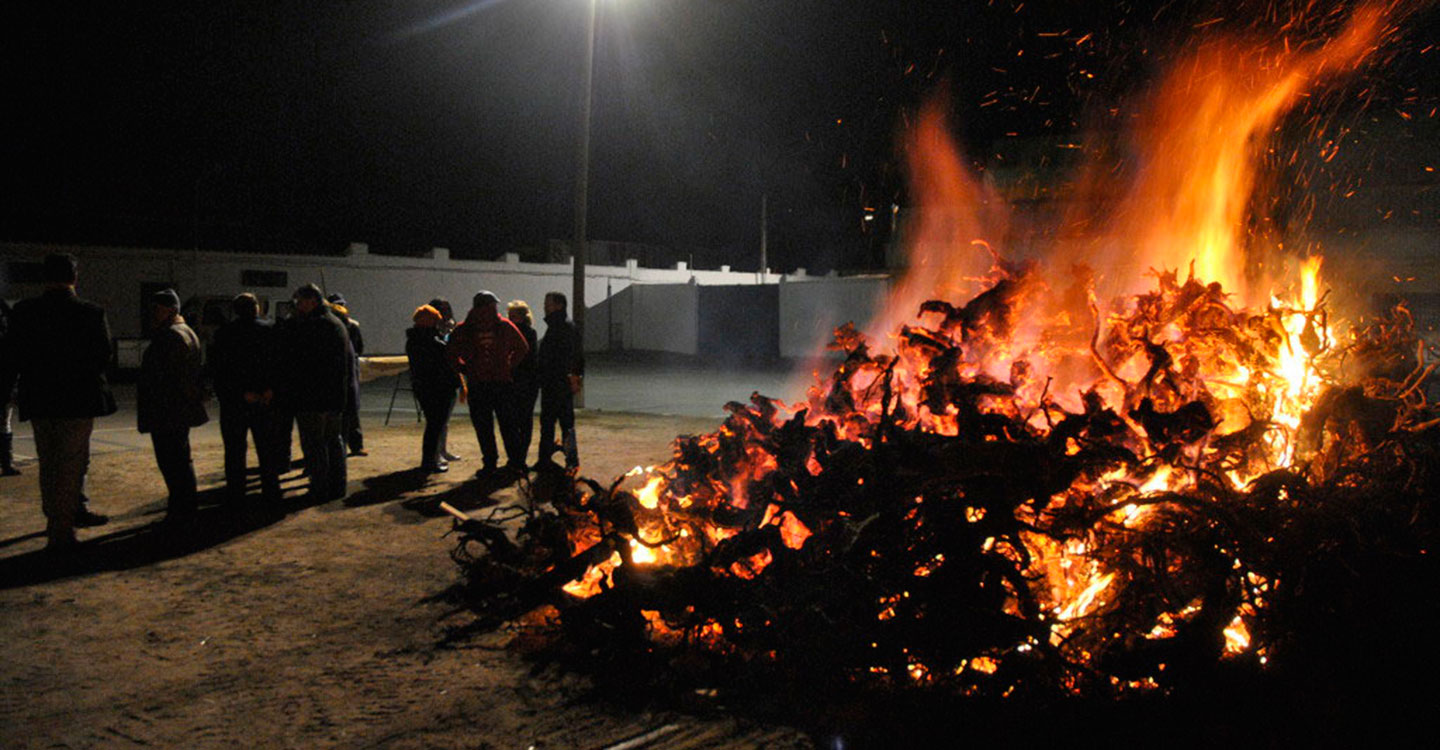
<point x="582" y="190"/>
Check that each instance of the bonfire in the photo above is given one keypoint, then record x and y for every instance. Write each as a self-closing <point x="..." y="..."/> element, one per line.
<point x="1027" y="477"/>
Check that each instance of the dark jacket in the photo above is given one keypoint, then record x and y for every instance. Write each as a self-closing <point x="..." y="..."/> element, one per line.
<point x="318" y="362"/>
<point x="486" y="349"/>
<point x="357" y="347"/>
<point x="527" y="372"/>
<point x="168" y="395"/>
<point x="242" y="359"/>
<point x="560" y="352"/>
<point x="61" y="345"/>
<point x="352" y="329"/>
<point x="430" y="374"/>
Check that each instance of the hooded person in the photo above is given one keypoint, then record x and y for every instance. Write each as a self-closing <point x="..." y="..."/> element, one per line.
<point x="354" y="437"/>
<point x="485" y="349"/>
<point x="169" y="399"/>
<point x="434" y="383"/>
<point x="318" y="375"/>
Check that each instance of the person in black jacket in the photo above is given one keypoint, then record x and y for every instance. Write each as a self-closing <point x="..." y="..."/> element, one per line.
<point x="169" y="399"/>
<point x="561" y="365"/>
<point x="446" y="326"/>
<point x="350" y="428"/>
<point x="434" y="382"/>
<point x="318" y="380"/>
<point x="62" y="345"/>
<point x="9" y="373"/>
<point x="242" y="367"/>
<point x="527" y="378"/>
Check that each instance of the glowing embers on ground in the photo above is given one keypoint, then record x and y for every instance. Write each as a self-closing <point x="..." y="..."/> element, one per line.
<point x="1182" y="402"/>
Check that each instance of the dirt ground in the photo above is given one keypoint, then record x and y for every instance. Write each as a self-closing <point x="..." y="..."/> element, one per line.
<point x="303" y="627"/>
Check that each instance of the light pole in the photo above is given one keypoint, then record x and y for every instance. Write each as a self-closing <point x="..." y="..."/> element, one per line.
<point x="582" y="189"/>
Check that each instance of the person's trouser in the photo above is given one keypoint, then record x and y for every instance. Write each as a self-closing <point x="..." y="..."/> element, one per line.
<point x="62" y="446"/>
<point x="237" y="421"/>
<point x="437" y="408"/>
<point x="7" y="438"/>
<point x="557" y="404"/>
<point x="172" y="456"/>
<point x="490" y="403"/>
<point x="354" y="439"/>
<point x="284" y="438"/>
<point x="324" y="446"/>
<point x="523" y="420"/>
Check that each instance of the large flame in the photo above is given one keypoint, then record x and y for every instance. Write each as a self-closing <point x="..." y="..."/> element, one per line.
<point x="1178" y="368"/>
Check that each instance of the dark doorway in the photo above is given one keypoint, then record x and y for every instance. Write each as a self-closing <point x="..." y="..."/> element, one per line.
<point x="739" y="322"/>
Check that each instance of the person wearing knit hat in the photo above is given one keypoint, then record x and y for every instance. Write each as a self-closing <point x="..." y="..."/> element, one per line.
<point x="434" y="383"/>
<point x="485" y="349"/>
<point x="169" y="400"/>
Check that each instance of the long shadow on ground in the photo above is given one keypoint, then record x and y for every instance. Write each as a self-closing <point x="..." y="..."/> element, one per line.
<point x="213" y="524"/>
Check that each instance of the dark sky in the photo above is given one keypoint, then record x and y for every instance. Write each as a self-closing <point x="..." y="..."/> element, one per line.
<point x="409" y="124"/>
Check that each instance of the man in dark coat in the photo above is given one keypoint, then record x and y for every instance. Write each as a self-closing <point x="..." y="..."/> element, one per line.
<point x="242" y="366"/>
<point x="61" y="345"/>
<point x="561" y="365"/>
<point x="169" y="399"/>
<point x="434" y="383"/>
<point x="485" y="349"/>
<point x="318" y="380"/>
<point x="354" y="438"/>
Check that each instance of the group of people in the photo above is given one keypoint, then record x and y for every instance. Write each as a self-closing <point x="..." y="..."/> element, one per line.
<point x="271" y="380"/>
<point x="499" y="367"/>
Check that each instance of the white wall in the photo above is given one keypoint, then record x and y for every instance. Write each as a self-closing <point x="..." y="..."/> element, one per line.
<point x="811" y="309"/>
<point x="382" y="291"/>
<point x="662" y="318"/>
<point x="654" y="309"/>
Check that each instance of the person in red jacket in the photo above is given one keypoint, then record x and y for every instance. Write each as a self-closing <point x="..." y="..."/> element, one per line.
<point x="485" y="349"/>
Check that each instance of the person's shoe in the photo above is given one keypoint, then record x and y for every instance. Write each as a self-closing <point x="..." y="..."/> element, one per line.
<point x="485" y="472"/>
<point x="448" y="456"/>
<point x="9" y="471"/>
<point x="87" y="518"/>
<point x="358" y="452"/>
<point x="439" y="468"/>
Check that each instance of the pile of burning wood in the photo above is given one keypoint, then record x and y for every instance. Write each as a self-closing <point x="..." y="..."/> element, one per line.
<point x="1021" y="495"/>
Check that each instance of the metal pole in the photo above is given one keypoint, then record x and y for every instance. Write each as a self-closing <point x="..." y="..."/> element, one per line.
<point x="582" y="190"/>
<point x="764" y="235"/>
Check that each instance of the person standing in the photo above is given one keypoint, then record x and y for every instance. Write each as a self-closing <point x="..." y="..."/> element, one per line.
<point x="9" y="373"/>
<point x="561" y="365"/>
<point x="485" y="349"/>
<point x="61" y="345"/>
<point x="445" y="328"/>
<point x="318" y="359"/>
<point x="354" y="438"/>
<point x="169" y="399"/>
<point x="527" y="378"/>
<point x="434" y="383"/>
<point x="242" y="367"/>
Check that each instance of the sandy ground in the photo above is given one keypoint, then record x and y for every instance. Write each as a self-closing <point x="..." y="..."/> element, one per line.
<point x="300" y="628"/>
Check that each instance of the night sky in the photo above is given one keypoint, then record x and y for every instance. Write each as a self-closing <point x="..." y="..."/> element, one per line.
<point x="302" y="126"/>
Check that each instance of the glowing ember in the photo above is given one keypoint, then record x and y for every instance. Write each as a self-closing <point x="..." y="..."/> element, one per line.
<point x="1009" y="461"/>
